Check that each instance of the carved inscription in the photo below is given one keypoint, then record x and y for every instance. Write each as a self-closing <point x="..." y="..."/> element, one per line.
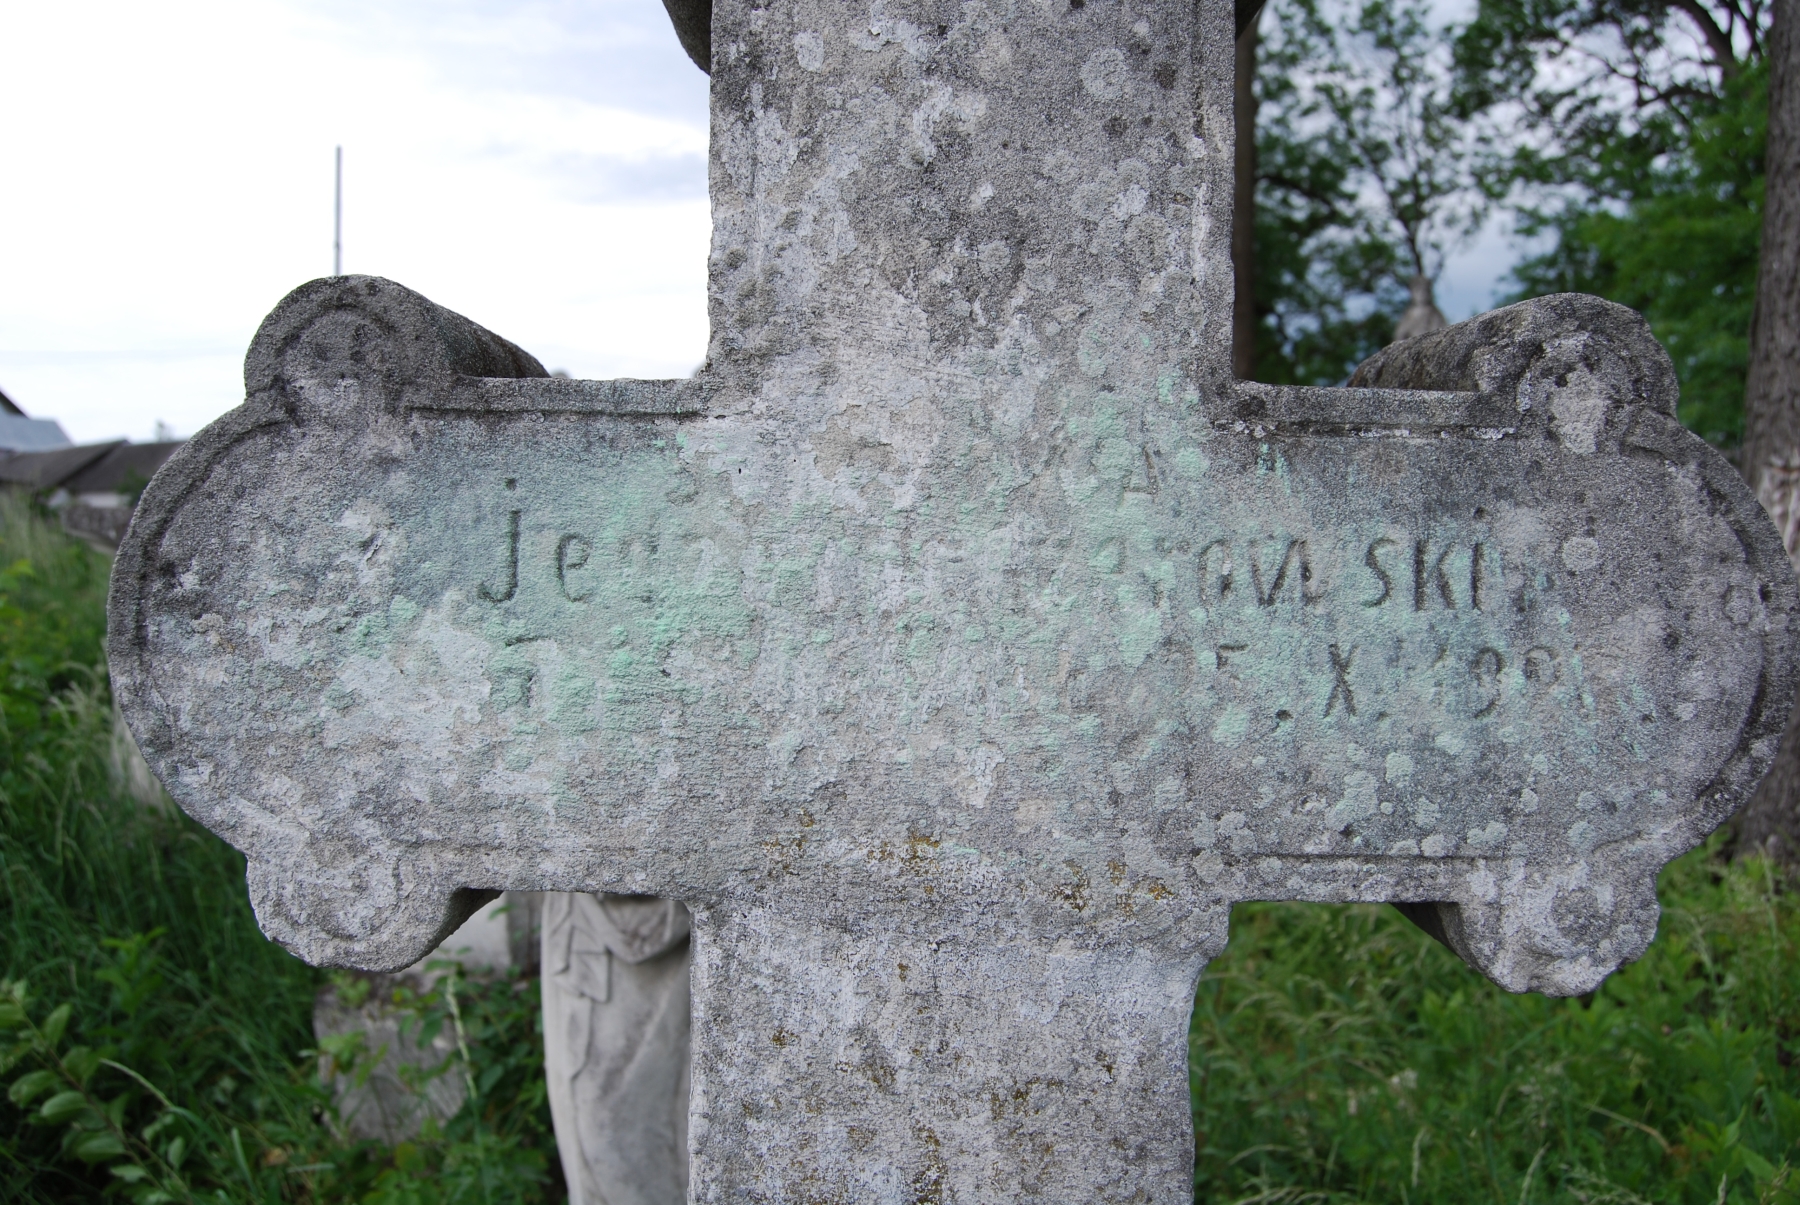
<point x="1486" y="668"/>
<point x="1340" y="685"/>
<point x="505" y="593"/>
<point x="1372" y="559"/>
<point x="1295" y="554"/>
<point x="1353" y="616"/>
<point x="1299" y="613"/>
<point x="572" y="553"/>
<point x="1436" y="572"/>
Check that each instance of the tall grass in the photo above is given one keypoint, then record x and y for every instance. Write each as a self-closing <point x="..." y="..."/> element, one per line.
<point x="1341" y="1055"/>
<point x="111" y="904"/>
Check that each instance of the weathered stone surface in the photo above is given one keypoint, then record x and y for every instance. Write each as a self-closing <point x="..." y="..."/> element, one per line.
<point x="962" y="642"/>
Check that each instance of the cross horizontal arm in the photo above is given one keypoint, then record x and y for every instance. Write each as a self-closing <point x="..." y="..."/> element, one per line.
<point x="541" y="641"/>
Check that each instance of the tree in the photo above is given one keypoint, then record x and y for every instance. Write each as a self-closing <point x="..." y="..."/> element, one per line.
<point x="1243" y="199"/>
<point x="1630" y="132"/>
<point x="1364" y="179"/>
<point x="1771" y="455"/>
<point x="1682" y="250"/>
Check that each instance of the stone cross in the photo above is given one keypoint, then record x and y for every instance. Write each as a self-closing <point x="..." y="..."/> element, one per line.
<point x="961" y="642"/>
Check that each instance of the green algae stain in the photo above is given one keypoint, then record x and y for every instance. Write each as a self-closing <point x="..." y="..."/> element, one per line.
<point x="1231" y="727"/>
<point x="1110" y="558"/>
<point x="572" y="698"/>
<point x="1117" y="462"/>
<point x="370" y="635"/>
<point x="1092" y="352"/>
<point x="1192" y="463"/>
<point x="1140" y="627"/>
<point x="1106" y="422"/>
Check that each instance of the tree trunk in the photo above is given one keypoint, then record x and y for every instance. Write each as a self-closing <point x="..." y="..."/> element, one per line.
<point x="1243" y="208"/>
<point x="1771" y="461"/>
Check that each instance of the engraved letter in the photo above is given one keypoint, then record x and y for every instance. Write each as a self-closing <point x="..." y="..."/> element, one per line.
<point x="512" y="564"/>
<point x="571" y="553"/>
<point x="1381" y="575"/>
<point x="1486" y="669"/>
<point x="1475" y="578"/>
<point x="1223" y="549"/>
<point x="1421" y="578"/>
<point x="1340" y="687"/>
<point x="1267" y="598"/>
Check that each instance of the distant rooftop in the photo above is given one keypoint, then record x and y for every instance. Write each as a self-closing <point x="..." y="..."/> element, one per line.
<point x="126" y="467"/>
<point x="21" y="433"/>
<point x="48" y="469"/>
<point x="87" y="468"/>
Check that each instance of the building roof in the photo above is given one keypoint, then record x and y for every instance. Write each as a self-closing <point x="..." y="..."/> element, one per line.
<point x="47" y="470"/>
<point x="125" y="468"/>
<point x="21" y="434"/>
<point x="119" y="466"/>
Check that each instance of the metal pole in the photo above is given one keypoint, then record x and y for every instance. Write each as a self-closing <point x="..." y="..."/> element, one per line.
<point x="337" y="219"/>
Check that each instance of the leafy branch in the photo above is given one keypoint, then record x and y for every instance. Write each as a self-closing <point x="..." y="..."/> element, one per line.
<point x="149" y="1162"/>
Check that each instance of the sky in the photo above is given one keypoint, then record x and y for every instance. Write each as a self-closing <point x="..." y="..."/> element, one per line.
<point x="536" y="165"/>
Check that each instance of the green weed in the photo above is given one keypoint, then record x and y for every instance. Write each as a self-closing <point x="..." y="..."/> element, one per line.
<point x="1339" y="1054"/>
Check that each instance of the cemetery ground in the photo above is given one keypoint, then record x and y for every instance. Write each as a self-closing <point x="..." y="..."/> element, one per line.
<point x="157" y="1048"/>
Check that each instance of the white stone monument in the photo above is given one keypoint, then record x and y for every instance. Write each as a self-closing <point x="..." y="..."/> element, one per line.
<point x="616" y="1045"/>
<point x="963" y="641"/>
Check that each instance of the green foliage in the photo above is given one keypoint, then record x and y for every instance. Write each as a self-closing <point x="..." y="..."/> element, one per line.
<point x="500" y="1145"/>
<point x="1628" y="133"/>
<point x="1363" y="179"/>
<point x="1591" y="94"/>
<point x="96" y="1115"/>
<point x="1683" y="252"/>
<point x="1341" y="1055"/>
<point x="1631" y="133"/>
<point x="52" y="619"/>
<point x="163" y="1047"/>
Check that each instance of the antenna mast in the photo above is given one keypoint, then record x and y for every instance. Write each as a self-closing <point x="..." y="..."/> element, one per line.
<point x="337" y="219"/>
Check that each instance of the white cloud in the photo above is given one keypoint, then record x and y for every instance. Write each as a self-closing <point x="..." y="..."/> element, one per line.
<point x="538" y="167"/>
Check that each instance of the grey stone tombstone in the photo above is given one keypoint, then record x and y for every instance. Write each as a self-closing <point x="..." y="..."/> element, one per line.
<point x="962" y="641"/>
